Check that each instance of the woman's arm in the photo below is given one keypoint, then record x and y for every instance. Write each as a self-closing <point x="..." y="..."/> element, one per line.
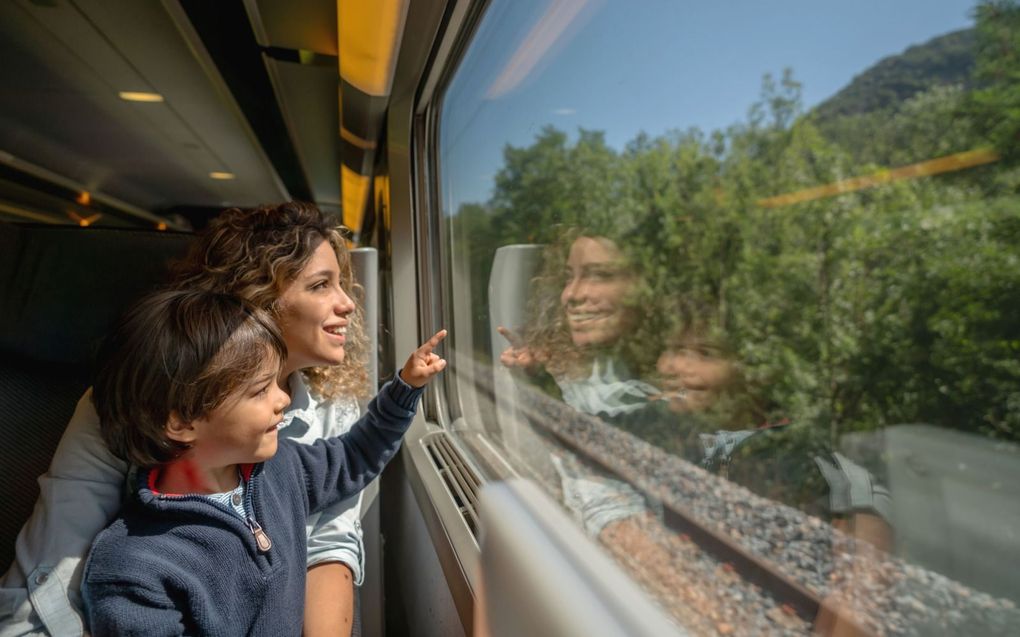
<point x="78" y="496"/>
<point x="336" y="555"/>
<point x="334" y="535"/>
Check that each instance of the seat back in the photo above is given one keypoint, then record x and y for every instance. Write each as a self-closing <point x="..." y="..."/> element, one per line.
<point x="61" y="288"/>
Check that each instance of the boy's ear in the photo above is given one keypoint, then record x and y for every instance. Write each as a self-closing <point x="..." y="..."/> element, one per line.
<point x="180" y="431"/>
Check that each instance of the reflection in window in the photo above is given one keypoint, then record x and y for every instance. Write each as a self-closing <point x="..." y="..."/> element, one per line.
<point x="745" y="302"/>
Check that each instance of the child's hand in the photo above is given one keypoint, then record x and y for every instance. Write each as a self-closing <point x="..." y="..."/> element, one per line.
<point x="518" y="355"/>
<point x="423" y="364"/>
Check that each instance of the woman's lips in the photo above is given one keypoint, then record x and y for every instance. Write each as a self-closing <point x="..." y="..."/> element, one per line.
<point x="583" y="318"/>
<point x="336" y="333"/>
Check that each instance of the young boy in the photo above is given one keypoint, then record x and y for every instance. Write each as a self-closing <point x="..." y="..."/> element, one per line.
<point x="212" y="540"/>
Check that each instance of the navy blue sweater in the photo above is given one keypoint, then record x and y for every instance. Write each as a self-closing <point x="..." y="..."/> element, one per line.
<point x="185" y="565"/>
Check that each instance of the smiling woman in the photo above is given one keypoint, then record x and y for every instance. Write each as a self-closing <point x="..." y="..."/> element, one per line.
<point x="314" y="313"/>
<point x="584" y="326"/>
<point x="595" y="292"/>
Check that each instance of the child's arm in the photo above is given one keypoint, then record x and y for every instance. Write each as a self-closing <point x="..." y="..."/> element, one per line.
<point x="130" y="608"/>
<point x="341" y="467"/>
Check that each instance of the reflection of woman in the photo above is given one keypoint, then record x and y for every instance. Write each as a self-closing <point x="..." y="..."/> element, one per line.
<point x="291" y="261"/>
<point x="585" y="337"/>
<point x="584" y="330"/>
<point x="594" y="297"/>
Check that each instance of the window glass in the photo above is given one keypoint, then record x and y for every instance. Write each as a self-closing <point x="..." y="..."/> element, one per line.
<point x="738" y="284"/>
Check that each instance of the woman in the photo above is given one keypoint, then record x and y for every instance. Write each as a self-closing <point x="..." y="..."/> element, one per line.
<point x="291" y="261"/>
<point x="586" y="328"/>
<point x="588" y="339"/>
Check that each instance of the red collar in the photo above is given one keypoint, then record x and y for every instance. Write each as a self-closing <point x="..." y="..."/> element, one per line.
<point x="245" y="471"/>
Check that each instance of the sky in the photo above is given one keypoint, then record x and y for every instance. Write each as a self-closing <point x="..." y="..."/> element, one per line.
<point x="626" y="66"/>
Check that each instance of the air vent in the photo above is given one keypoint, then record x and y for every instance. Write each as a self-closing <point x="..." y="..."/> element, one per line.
<point x="461" y="480"/>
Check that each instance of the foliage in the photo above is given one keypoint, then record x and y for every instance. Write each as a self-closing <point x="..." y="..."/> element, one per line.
<point x="891" y="304"/>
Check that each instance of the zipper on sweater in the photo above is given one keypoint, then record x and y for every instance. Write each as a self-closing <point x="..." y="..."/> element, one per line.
<point x="261" y="539"/>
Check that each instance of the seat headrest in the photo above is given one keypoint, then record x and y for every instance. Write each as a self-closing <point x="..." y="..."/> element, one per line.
<point x="61" y="287"/>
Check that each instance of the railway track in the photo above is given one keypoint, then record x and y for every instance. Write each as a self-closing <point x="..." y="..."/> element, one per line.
<point x="562" y="423"/>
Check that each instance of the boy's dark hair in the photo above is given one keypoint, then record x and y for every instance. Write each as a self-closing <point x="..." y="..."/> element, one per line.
<point x="176" y="351"/>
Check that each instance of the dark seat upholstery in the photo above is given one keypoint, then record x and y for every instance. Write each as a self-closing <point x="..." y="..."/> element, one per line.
<point x="61" y="288"/>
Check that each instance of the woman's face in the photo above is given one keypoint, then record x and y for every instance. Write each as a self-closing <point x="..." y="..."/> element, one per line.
<point x="595" y="292"/>
<point x="315" y="313"/>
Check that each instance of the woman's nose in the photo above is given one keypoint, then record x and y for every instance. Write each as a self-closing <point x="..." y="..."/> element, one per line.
<point x="574" y="291"/>
<point x="343" y="304"/>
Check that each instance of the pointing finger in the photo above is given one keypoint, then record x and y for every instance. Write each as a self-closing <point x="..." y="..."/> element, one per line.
<point x="432" y="342"/>
<point x="509" y="335"/>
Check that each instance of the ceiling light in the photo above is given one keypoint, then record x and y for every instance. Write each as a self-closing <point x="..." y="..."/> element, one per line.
<point x="134" y="96"/>
<point x="221" y="175"/>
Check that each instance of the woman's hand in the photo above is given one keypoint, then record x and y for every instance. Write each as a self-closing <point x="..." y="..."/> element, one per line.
<point x="423" y="363"/>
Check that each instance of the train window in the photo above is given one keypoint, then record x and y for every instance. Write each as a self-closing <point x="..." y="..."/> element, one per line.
<point x="737" y="284"/>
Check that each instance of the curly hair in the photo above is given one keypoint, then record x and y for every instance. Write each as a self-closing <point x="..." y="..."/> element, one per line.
<point x="255" y="254"/>
<point x="547" y="331"/>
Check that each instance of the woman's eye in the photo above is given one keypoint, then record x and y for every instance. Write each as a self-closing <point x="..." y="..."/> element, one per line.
<point x="320" y="285"/>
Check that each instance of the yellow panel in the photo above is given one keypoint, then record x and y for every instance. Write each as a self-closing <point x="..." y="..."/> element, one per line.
<point x="368" y="34"/>
<point x="353" y="190"/>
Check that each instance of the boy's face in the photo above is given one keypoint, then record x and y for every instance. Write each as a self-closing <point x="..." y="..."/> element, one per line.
<point x="243" y="429"/>
<point x="693" y="376"/>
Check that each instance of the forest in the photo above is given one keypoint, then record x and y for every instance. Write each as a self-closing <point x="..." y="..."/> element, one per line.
<point x="860" y="259"/>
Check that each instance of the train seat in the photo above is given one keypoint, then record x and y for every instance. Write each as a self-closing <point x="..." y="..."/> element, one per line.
<point x="61" y="288"/>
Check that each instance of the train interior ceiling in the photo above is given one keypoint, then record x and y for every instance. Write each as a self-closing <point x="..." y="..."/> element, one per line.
<point x="134" y="114"/>
<point x="834" y="267"/>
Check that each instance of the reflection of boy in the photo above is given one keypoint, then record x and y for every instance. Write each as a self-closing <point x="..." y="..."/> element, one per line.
<point x="784" y="462"/>
<point x="213" y="539"/>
